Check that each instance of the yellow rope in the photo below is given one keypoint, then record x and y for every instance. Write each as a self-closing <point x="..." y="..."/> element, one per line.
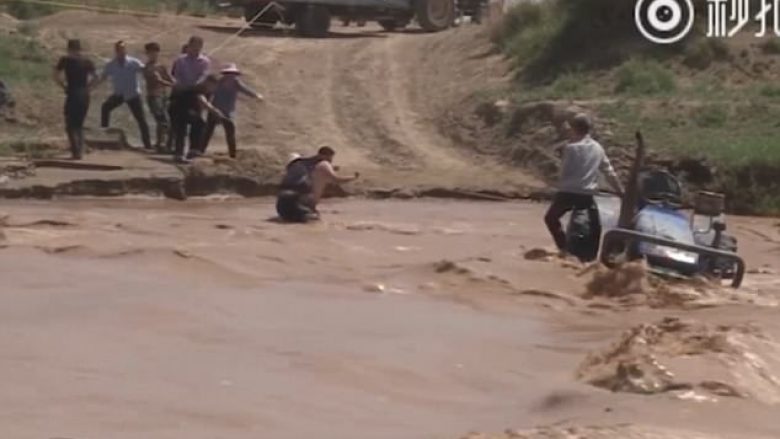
<point x="245" y="26"/>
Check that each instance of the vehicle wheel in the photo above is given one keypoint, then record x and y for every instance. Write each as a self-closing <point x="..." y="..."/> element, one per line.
<point x="266" y="20"/>
<point x="435" y="15"/>
<point x="393" y="25"/>
<point x="313" y="21"/>
<point x="722" y="267"/>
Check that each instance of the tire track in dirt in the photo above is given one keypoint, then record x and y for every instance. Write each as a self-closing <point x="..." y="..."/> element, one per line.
<point x="408" y="122"/>
<point x="358" y="104"/>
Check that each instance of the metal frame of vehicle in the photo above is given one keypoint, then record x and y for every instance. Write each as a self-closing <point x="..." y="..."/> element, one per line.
<point x="630" y="236"/>
<point x="624" y="236"/>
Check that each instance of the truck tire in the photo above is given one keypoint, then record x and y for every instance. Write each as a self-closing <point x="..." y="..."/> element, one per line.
<point x="268" y="19"/>
<point x="435" y="15"/>
<point x="313" y="21"/>
<point x="393" y="25"/>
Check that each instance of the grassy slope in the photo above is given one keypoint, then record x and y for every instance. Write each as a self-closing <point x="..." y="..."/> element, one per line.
<point x="705" y="99"/>
<point x="22" y="59"/>
<point x="26" y="11"/>
<point x="25" y="66"/>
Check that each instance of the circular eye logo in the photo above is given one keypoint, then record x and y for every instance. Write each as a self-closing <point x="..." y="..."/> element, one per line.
<point x="664" y="21"/>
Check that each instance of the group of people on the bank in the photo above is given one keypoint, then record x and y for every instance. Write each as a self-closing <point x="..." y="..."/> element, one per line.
<point x="176" y="98"/>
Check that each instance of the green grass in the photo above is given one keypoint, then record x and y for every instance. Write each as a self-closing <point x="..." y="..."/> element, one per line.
<point x="23" y="60"/>
<point x="711" y="116"/>
<point x="27" y="149"/>
<point x="552" y="37"/>
<point x="644" y="78"/>
<point x="738" y="139"/>
<point x="526" y="30"/>
<point x="683" y="97"/>
<point x="724" y="132"/>
<point x="27" y="11"/>
<point x="771" y="46"/>
<point x="769" y="91"/>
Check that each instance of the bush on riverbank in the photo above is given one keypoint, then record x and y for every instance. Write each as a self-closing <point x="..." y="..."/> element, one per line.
<point x="705" y="98"/>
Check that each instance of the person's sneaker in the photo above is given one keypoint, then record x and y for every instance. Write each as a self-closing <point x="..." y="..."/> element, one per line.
<point x="181" y="160"/>
<point x="194" y="154"/>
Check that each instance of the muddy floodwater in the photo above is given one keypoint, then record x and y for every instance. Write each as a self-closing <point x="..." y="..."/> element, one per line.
<point x="402" y="319"/>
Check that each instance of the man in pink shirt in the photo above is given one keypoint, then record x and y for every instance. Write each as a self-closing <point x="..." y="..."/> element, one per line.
<point x="188" y="70"/>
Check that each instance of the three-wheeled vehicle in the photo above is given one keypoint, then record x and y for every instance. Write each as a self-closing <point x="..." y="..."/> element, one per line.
<point x="652" y="222"/>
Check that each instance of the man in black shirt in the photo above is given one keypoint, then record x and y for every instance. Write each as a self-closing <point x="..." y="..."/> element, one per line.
<point x="186" y="110"/>
<point x="74" y="73"/>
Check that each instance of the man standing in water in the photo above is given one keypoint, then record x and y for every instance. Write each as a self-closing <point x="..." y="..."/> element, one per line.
<point x="74" y="73"/>
<point x="304" y="184"/>
<point x="124" y="71"/>
<point x="583" y="160"/>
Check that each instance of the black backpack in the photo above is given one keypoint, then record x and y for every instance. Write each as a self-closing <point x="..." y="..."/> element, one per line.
<point x="298" y="175"/>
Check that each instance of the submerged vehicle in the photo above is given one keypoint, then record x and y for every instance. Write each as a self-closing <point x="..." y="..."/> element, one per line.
<point x="313" y="18"/>
<point x="650" y="222"/>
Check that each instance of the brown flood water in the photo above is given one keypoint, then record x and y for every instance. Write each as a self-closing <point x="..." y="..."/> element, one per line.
<point x="156" y="319"/>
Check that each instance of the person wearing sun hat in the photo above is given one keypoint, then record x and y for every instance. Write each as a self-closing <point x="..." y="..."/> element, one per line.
<point x="224" y="99"/>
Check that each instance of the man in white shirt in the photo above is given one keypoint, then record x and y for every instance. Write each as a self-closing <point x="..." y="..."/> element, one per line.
<point x="583" y="160"/>
<point x="124" y="72"/>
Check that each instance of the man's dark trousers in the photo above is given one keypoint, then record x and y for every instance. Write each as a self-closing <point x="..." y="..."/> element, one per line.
<point x="565" y="202"/>
<point x="136" y="107"/>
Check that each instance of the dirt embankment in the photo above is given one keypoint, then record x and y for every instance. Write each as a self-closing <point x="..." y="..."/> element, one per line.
<point x="375" y="97"/>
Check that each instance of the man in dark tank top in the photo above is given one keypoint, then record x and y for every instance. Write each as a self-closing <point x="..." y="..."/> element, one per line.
<point x="75" y="73"/>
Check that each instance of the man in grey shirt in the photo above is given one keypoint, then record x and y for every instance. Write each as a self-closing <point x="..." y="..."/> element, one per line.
<point x="583" y="160"/>
<point x="124" y="71"/>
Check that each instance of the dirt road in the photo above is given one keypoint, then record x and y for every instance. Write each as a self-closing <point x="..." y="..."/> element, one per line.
<point x="374" y="96"/>
<point x="387" y="320"/>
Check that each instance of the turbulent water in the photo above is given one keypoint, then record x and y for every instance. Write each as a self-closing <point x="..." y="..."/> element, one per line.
<point x="419" y="319"/>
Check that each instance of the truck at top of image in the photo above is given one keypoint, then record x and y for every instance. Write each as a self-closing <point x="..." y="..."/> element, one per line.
<point x="312" y="18"/>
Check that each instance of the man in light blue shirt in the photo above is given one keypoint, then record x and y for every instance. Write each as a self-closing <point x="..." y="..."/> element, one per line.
<point x="124" y="72"/>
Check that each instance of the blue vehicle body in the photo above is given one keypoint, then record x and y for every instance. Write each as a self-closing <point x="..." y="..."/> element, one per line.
<point x="649" y="223"/>
<point x="664" y="235"/>
<point x="659" y="220"/>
